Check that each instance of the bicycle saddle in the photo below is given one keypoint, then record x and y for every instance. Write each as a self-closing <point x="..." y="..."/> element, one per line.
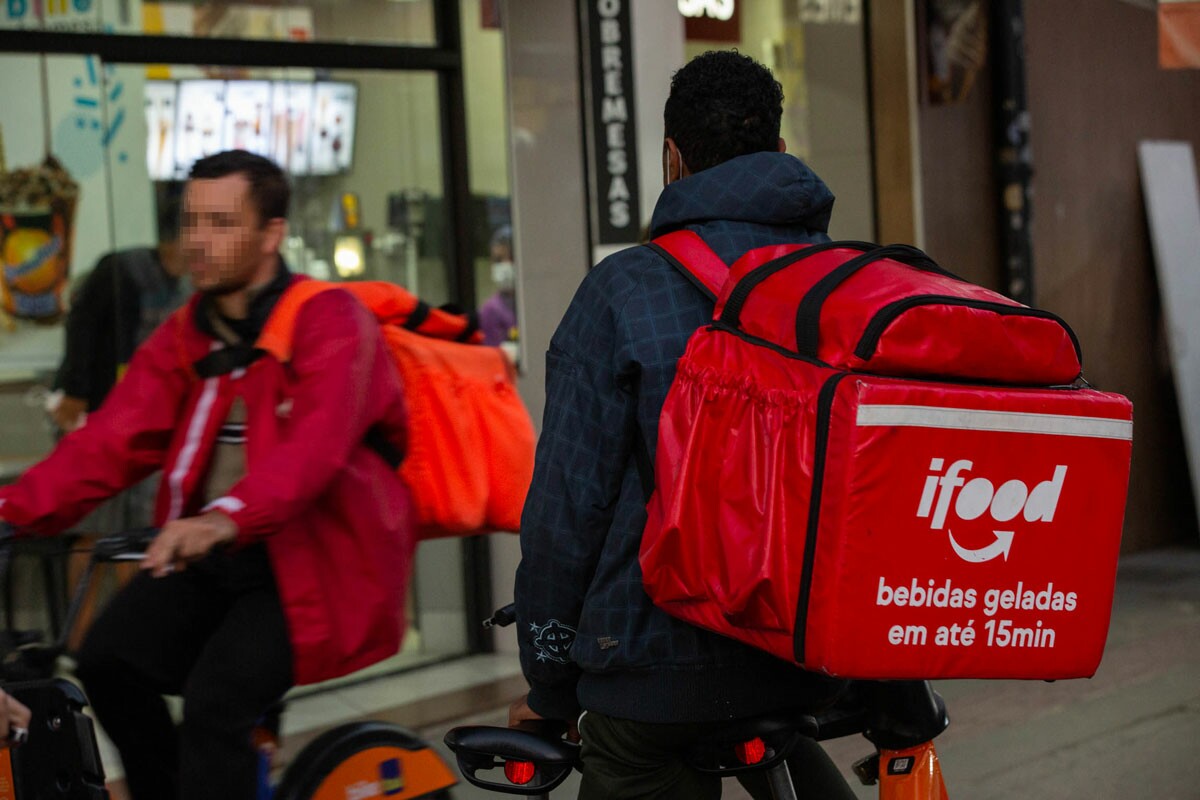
<point x="904" y="714"/>
<point x="758" y="743"/>
<point x="534" y="763"/>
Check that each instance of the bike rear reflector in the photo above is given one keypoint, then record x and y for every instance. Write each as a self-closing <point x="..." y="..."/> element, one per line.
<point x="750" y="752"/>
<point x="519" y="772"/>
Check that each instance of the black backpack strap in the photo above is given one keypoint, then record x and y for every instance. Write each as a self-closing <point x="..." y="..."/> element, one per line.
<point x="226" y="360"/>
<point x="386" y="449"/>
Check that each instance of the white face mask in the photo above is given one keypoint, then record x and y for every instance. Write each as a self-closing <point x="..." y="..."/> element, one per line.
<point x="503" y="274"/>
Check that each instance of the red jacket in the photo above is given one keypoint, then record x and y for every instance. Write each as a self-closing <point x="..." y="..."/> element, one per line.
<point x="336" y="519"/>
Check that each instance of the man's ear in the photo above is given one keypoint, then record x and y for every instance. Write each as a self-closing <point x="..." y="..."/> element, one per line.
<point x="276" y="232"/>
<point x="674" y="169"/>
<point x="782" y="145"/>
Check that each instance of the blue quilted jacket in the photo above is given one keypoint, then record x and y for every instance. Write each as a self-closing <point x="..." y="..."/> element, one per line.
<point x="589" y="636"/>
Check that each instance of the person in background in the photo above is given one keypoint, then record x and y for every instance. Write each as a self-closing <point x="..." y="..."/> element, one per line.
<point x="498" y="314"/>
<point x="121" y="302"/>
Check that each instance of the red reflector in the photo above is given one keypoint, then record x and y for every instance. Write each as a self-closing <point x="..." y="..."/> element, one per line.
<point x="750" y="752"/>
<point x="519" y="772"/>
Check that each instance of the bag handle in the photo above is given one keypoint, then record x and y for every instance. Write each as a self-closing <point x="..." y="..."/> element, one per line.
<point x="731" y="314"/>
<point x="808" y="315"/>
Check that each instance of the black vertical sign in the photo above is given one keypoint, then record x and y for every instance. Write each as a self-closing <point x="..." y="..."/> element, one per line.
<point x="613" y="127"/>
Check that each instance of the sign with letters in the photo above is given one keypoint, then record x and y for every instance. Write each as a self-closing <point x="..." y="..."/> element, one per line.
<point x="612" y="121"/>
<point x="76" y="16"/>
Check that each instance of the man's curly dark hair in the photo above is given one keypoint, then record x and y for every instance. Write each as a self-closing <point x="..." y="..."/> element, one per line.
<point x="722" y="105"/>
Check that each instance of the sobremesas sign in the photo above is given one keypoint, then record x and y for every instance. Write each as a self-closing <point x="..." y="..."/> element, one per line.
<point x="613" y="125"/>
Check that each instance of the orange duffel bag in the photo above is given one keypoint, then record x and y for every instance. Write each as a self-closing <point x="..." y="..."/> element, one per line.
<point x="469" y="455"/>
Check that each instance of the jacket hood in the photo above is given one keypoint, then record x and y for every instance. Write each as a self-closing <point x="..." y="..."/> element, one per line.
<point x="767" y="188"/>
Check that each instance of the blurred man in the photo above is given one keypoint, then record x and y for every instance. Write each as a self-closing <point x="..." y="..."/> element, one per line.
<point x="286" y="539"/>
<point x="128" y="294"/>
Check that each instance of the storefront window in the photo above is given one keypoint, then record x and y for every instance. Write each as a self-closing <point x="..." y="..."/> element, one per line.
<point x="365" y="152"/>
<point x="494" y="255"/>
<point x="394" y="22"/>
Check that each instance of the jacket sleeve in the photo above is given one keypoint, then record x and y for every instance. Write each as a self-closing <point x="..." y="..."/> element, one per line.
<point x="123" y="442"/>
<point x="335" y="367"/>
<point x="582" y="456"/>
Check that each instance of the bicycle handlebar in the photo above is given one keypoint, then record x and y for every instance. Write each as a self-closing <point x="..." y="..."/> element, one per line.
<point x="33" y="659"/>
<point x="128" y="546"/>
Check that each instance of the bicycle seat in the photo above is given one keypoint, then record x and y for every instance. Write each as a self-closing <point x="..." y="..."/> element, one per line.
<point x="844" y="719"/>
<point x="534" y="763"/>
<point x="904" y="714"/>
<point x="758" y="743"/>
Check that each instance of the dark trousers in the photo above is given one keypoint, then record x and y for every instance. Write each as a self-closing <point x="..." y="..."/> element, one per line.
<point x="625" y="759"/>
<point x="214" y="633"/>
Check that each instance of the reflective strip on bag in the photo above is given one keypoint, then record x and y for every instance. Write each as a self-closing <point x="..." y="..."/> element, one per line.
<point x="967" y="419"/>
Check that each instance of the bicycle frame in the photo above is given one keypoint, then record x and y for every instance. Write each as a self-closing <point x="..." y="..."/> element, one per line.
<point x="363" y="756"/>
<point x="911" y="774"/>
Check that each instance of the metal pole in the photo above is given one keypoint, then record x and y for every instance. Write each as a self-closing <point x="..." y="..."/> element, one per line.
<point x="1014" y="160"/>
<point x="476" y="550"/>
<point x="779" y="779"/>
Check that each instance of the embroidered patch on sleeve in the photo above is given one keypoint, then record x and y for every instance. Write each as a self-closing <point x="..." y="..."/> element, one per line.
<point x="553" y="641"/>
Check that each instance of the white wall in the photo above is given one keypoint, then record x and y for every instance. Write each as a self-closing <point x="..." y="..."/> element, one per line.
<point x="657" y="53"/>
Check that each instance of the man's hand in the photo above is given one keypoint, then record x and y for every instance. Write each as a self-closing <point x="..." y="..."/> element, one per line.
<point x="70" y="413"/>
<point x="185" y="540"/>
<point x="14" y="720"/>
<point x="520" y="715"/>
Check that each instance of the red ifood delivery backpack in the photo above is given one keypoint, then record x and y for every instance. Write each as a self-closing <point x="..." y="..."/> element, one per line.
<point x="874" y="469"/>
<point x="469" y="455"/>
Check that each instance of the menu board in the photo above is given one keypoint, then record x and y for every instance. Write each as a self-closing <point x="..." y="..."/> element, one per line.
<point x="333" y="127"/>
<point x="248" y="116"/>
<point x="199" y="121"/>
<point x="292" y="126"/>
<point x="305" y="127"/>
<point x="160" y="130"/>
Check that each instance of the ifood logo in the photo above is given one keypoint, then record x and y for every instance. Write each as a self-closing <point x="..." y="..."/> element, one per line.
<point x="974" y="498"/>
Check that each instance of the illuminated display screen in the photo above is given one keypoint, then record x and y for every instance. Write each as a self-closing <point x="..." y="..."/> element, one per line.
<point x="305" y="127"/>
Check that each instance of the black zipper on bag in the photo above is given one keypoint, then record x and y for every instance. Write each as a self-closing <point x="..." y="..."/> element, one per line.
<point x="767" y="343"/>
<point x="824" y="411"/>
<point x="887" y="315"/>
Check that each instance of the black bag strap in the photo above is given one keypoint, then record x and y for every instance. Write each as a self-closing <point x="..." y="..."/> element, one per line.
<point x="226" y="360"/>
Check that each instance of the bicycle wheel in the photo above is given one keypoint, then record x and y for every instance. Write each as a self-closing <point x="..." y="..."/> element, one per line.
<point x="366" y="760"/>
